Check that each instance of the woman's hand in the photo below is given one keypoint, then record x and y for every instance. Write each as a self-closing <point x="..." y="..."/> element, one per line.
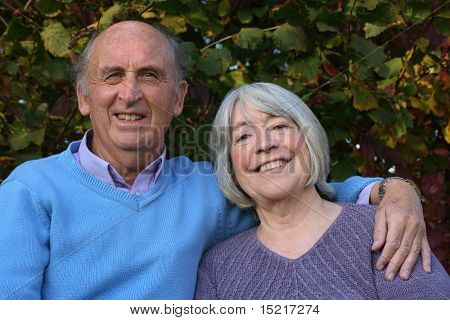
<point x="400" y="227"/>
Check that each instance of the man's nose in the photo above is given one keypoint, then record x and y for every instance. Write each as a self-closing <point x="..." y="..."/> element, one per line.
<point x="130" y="91"/>
<point x="265" y="141"/>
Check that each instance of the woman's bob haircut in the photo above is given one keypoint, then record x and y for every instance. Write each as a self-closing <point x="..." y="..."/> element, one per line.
<point x="277" y="101"/>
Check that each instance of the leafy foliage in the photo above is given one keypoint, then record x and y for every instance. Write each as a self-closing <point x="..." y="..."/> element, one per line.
<point x="375" y="72"/>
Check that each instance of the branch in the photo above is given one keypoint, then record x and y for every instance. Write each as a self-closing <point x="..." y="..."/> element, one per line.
<point x="229" y="37"/>
<point x="28" y="3"/>
<point x="4" y="21"/>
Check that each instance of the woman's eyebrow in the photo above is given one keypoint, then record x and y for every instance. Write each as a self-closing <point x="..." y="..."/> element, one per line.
<point x="241" y="124"/>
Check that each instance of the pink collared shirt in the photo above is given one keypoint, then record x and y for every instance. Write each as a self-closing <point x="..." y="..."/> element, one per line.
<point x="104" y="171"/>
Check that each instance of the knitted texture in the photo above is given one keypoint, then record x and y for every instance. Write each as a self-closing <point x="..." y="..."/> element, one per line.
<point x="64" y="234"/>
<point x="339" y="266"/>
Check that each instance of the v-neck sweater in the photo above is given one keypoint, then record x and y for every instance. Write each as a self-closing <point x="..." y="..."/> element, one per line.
<point x="340" y="265"/>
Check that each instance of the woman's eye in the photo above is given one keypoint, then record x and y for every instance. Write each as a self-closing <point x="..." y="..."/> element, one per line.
<point x="243" y="137"/>
<point x="280" y="126"/>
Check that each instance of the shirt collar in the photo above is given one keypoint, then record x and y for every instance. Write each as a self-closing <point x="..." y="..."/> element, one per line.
<point x="104" y="171"/>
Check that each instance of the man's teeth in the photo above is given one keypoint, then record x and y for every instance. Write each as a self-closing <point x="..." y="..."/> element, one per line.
<point x="272" y="165"/>
<point x="129" y="117"/>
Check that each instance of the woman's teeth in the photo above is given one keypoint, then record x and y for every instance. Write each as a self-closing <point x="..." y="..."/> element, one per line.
<point x="272" y="165"/>
<point x="129" y="117"/>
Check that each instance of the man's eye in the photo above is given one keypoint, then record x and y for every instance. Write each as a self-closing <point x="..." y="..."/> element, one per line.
<point x="114" y="78"/>
<point x="149" y="75"/>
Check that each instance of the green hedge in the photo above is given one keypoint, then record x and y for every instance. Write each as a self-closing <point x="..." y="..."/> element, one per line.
<point x="375" y="72"/>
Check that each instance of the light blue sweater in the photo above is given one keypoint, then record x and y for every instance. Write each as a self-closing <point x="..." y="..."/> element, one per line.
<point x="64" y="234"/>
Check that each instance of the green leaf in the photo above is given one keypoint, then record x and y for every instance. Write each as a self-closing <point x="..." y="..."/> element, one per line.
<point x="336" y="97"/>
<point x="308" y="67"/>
<point x="245" y="16"/>
<point x="288" y="37"/>
<point x="327" y="20"/>
<point x="19" y="140"/>
<point x="403" y="122"/>
<point x="422" y="44"/>
<point x="368" y="4"/>
<point x="30" y="154"/>
<point x="343" y="169"/>
<point x="382" y="116"/>
<point x="176" y="24"/>
<point x="369" y="52"/>
<point x="214" y="61"/>
<point x="233" y="79"/>
<point x="198" y="19"/>
<point x="50" y="8"/>
<point x="444" y="14"/>
<point x="372" y="30"/>
<point x="107" y="18"/>
<point x="261" y="11"/>
<point x="56" y="39"/>
<point x="11" y="68"/>
<point x="249" y="38"/>
<point x="223" y="8"/>
<point x="3" y="141"/>
<point x="17" y="31"/>
<point x="442" y="25"/>
<point x="190" y="50"/>
<point x="363" y="100"/>
<point x="390" y="69"/>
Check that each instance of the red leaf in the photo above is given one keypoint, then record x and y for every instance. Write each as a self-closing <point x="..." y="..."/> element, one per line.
<point x="432" y="185"/>
<point x="317" y="98"/>
<point x="330" y="69"/>
<point x="441" y="152"/>
<point x="61" y="108"/>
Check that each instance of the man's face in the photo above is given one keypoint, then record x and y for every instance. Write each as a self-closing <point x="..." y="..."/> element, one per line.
<point x="133" y="92"/>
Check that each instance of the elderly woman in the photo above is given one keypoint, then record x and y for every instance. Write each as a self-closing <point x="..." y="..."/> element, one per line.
<point x="271" y="153"/>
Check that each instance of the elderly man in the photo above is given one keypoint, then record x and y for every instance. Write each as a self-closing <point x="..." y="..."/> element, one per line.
<point x="111" y="218"/>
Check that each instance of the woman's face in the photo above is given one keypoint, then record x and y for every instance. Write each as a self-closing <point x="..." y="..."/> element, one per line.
<point x="270" y="159"/>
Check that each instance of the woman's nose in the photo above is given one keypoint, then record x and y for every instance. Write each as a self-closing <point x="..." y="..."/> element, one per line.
<point x="265" y="141"/>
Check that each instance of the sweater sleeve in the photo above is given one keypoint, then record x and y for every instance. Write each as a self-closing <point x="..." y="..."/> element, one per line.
<point x="349" y="190"/>
<point x="24" y="244"/>
<point x="420" y="286"/>
<point x="206" y="288"/>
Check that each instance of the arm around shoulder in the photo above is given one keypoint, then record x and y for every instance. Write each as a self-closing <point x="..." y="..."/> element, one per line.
<point x="24" y="242"/>
<point x="349" y="190"/>
<point x="420" y="286"/>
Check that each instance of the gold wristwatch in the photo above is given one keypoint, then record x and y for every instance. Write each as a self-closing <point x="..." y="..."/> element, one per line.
<point x="383" y="184"/>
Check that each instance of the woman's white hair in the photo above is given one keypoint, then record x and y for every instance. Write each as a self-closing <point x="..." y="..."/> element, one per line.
<point x="274" y="100"/>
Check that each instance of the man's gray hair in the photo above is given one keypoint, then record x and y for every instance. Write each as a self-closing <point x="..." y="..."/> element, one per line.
<point x="180" y="59"/>
<point x="274" y="100"/>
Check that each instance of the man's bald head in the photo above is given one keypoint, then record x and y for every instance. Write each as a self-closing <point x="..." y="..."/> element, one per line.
<point x="126" y="30"/>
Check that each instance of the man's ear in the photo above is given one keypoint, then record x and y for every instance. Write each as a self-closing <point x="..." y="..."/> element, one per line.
<point x="83" y="104"/>
<point x="181" y="94"/>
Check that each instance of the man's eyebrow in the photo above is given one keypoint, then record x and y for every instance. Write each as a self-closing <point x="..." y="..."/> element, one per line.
<point x="112" y="69"/>
<point x="152" y="69"/>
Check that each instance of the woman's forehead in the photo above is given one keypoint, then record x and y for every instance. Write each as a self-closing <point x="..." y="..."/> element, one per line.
<point x="244" y="113"/>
